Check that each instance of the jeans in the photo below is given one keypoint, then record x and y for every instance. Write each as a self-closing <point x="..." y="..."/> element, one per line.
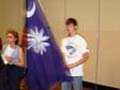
<point x="76" y="82"/>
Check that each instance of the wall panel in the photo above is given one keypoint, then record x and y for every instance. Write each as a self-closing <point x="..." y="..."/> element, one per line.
<point x="109" y="50"/>
<point x="13" y="12"/>
<point x="86" y="12"/>
<point x="54" y="12"/>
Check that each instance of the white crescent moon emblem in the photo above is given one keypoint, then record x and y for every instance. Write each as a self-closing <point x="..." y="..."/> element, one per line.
<point x="31" y="12"/>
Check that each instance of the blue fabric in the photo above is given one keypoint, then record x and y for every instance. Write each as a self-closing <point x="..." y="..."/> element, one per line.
<point x="44" y="68"/>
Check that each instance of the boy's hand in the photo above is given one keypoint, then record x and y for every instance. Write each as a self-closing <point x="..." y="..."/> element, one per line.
<point x="70" y="66"/>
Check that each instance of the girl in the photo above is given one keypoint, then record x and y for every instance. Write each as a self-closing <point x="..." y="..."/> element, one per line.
<point x="13" y="57"/>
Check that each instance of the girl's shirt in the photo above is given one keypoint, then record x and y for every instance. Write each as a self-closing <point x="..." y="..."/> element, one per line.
<point x="11" y="52"/>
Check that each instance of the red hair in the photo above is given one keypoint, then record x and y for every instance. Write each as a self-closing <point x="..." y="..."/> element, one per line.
<point x="24" y="39"/>
<point x="0" y="44"/>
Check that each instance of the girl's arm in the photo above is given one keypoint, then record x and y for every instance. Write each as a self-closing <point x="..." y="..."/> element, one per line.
<point x="21" y="61"/>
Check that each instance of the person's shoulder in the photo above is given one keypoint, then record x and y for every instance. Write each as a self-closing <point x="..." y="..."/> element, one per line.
<point x="5" y="45"/>
<point x="65" y="39"/>
<point x="80" y="36"/>
<point x="19" y="47"/>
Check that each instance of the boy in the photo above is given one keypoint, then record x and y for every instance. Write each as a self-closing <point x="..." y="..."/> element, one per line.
<point x="74" y="48"/>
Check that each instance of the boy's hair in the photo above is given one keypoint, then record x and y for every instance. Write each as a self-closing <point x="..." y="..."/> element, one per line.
<point x="71" y="21"/>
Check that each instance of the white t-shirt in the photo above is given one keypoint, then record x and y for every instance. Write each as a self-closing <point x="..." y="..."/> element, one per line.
<point x="73" y="49"/>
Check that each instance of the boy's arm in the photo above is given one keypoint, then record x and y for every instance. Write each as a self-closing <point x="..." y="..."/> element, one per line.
<point x="81" y="61"/>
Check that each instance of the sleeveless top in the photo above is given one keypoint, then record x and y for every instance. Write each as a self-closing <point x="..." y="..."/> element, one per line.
<point x="12" y="52"/>
<point x="15" y="54"/>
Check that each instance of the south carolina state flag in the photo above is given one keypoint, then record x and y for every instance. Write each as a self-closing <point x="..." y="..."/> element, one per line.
<point x="45" y="65"/>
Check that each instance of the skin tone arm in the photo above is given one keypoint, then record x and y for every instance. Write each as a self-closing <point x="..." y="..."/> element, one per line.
<point x="19" y="62"/>
<point x="81" y="61"/>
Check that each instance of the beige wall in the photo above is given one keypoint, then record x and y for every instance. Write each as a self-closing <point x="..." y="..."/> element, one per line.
<point x="98" y="21"/>
<point x="11" y="16"/>
<point x="86" y="12"/>
<point x="109" y="48"/>
<point x="54" y="11"/>
<point x="1" y="15"/>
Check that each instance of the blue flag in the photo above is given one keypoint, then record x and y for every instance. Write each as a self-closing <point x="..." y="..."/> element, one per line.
<point x="45" y="65"/>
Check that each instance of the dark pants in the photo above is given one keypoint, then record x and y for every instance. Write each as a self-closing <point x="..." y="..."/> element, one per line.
<point x="3" y="79"/>
<point x="3" y="76"/>
<point x="10" y="76"/>
<point x="15" y="74"/>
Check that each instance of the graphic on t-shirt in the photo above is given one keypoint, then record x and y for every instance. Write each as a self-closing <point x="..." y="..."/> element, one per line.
<point x="72" y="50"/>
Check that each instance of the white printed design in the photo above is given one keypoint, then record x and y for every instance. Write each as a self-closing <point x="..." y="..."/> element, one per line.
<point x="31" y="12"/>
<point x="38" y="41"/>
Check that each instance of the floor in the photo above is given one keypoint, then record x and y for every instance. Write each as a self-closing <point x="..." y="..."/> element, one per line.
<point x="56" y="87"/>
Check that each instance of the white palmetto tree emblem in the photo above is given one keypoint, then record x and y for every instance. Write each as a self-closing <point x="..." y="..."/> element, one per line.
<point x="37" y="41"/>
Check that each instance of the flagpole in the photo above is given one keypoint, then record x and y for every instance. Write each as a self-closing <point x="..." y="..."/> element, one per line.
<point x="41" y="6"/>
<point x="43" y="10"/>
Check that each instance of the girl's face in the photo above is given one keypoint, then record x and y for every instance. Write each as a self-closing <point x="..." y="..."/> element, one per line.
<point x="10" y="38"/>
<point x="71" y="28"/>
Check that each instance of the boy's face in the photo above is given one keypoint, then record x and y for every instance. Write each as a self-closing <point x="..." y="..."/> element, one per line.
<point x="71" y="28"/>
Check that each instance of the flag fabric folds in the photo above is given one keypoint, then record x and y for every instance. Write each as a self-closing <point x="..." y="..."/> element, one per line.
<point x="45" y="65"/>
